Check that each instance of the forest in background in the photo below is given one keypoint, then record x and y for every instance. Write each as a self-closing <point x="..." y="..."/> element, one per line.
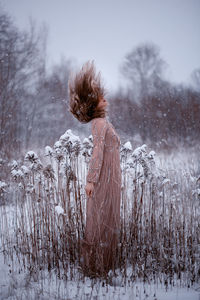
<point x="34" y="100"/>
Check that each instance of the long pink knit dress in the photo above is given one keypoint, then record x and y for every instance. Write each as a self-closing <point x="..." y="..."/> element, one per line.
<point x="103" y="207"/>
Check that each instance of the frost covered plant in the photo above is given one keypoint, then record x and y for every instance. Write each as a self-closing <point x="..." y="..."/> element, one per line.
<point x="126" y="148"/>
<point x="70" y="175"/>
<point x="141" y="163"/>
<point x="34" y="162"/>
<point x="14" y="165"/>
<point x="90" y="138"/>
<point x="59" y="210"/>
<point x="58" y="151"/>
<point x="16" y="173"/>
<point x="140" y="155"/>
<point x="159" y="212"/>
<point x="3" y="187"/>
<point x="48" y="151"/>
<point x="87" y="149"/>
<point x="25" y="170"/>
<point x="31" y="157"/>
<point x="2" y="162"/>
<point x="152" y="164"/>
<point x="48" y="172"/>
<point x="71" y="142"/>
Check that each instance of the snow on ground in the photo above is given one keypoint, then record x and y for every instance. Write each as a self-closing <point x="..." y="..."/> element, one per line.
<point x="19" y="285"/>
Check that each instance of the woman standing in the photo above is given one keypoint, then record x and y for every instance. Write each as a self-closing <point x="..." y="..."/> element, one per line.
<point x="103" y="188"/>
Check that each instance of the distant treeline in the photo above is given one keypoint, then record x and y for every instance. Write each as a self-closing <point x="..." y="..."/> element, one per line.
<point x="168" y="117"/>
<point x="34" y="102"/>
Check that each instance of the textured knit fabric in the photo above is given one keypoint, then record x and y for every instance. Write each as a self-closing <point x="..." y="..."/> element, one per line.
<point x="103" y="207"/>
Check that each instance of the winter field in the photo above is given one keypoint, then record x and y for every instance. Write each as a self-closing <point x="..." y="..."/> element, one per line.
<point x="43" y="217"/>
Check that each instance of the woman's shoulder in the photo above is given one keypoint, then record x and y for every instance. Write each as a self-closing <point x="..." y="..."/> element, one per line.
<point x="100" y="122"/>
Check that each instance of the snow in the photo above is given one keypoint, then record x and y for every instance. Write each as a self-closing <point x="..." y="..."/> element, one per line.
<point x="15" y="284"/>
<point x="2" y="185"/>
<point x="17" y="173"/>
<point x="14" y="164"/>
<point x="128" y="146"/>
<point x="86" y="142"/>
<point x="48" y="151"/>
<point x="90" y="138"/>
<point x="31" y="155"/>
<point x="197" y="191"/>
<point x="59" y="209"/>
<point x="57" y="145"/>
<point x="143" y="147"/>
<point x="68" y="136"/>
<point x="25" y="170"/>
<point x="165" y="181"/>
<point x="138" y="150"/>
<point x="151" y="154"/>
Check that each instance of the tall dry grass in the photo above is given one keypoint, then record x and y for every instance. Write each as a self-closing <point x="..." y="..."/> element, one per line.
<point x="159" y="234"/>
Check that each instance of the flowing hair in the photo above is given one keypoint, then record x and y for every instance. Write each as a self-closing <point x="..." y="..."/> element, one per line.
<point x="85" y="91"/>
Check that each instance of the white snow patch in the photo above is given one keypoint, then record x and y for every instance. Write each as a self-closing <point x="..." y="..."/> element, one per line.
<point x="17" y="173"/>
<point x="25" y="170"/>
<point x="151" y="154"/>
<point x="68" y="136"/>
<point x="128" y="146"/>
<point x="165" y="181"/>
<point x="48" y="151"/>
<point x="57" y="144"/>
<point x="2" y="185"/>
<point x="59" y="210"/>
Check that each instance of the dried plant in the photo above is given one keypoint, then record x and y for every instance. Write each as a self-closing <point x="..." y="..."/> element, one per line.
<point x="159" y="233"/>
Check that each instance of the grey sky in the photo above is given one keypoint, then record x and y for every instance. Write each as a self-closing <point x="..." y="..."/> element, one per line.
<point x="106" y="30"/>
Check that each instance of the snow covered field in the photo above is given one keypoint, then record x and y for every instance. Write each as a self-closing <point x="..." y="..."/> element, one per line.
<point x="41" y="286"/>
<point x="160" y="201"/>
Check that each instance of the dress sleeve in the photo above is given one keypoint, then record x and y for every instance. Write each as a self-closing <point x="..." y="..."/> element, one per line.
<point x="99" y="127"/>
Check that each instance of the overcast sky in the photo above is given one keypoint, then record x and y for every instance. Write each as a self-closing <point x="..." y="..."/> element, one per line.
<point x="106" y="30"/>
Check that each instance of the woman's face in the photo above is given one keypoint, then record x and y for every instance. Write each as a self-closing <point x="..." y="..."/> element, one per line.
<point x="102" y="103"/>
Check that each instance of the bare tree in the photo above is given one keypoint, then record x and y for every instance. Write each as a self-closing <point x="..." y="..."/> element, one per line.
<point x="20" y="64"/>
<point x="51" y="116"/>
<point x="144" y="67"/>
<point x="196" y="78"/>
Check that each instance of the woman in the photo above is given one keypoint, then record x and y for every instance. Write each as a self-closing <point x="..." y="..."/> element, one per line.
<point x="103" y="187"/>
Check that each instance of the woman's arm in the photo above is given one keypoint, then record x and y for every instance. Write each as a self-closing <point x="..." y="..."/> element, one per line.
<point x="99" y="127"/>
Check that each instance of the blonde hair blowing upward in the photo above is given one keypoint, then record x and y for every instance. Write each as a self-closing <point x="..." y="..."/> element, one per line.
<point x="85" y="91"/>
